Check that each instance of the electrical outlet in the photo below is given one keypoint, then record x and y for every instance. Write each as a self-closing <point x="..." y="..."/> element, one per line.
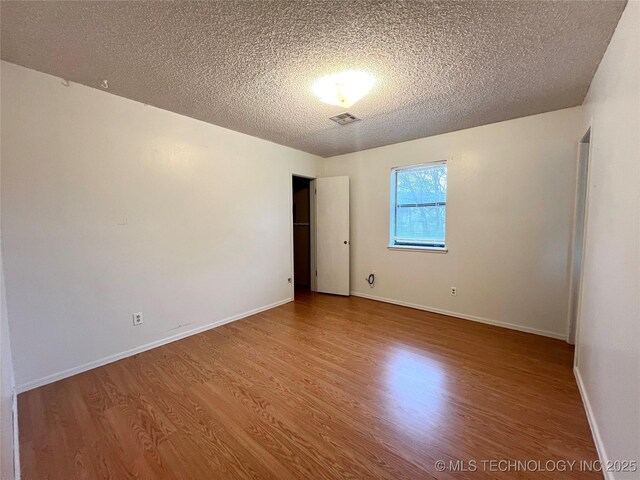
<point x="454" y="291"/>
<point x="137" y="319"/>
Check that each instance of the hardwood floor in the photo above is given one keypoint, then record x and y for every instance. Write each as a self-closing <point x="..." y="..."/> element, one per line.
<point x="326" y="387"/>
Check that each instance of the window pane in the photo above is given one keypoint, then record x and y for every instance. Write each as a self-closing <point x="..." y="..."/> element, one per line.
<point x="418" y="215"/>
<point x="426" y="224"/>
<point x="421" y="185"/>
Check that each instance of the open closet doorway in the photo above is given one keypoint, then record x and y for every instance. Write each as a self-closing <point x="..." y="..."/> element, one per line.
<point x="303" y="234"/>
<point x="582" y="194"/>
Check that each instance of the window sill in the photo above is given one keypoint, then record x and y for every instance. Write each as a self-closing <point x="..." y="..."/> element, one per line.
<point x="413" y="248"/>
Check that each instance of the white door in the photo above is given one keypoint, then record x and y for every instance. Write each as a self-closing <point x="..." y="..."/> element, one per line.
<point x="332" y="235"/>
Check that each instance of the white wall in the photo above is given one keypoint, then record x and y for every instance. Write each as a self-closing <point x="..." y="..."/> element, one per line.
<point x="609" y="319"/>
<point x="112" y="207"/>
<point x="509" y="213"/>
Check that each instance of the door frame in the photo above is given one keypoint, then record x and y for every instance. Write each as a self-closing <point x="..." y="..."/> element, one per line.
<point x="573" y="323"/>
<point x="312" y="231"/>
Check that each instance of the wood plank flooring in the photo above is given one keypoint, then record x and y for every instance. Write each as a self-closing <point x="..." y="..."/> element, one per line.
<point x="323" y="388"/>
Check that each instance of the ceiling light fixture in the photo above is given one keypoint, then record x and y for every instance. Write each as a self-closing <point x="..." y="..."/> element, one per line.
<point x="343" y="89"/>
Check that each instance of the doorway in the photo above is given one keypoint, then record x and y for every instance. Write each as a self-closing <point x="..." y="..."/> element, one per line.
<point x="320" y="235"/>
<point x="302" y="204"/>
<point x="578" y="235"/>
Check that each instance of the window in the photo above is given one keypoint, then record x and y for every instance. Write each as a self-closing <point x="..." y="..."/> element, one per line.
<point x="418" y="206"/>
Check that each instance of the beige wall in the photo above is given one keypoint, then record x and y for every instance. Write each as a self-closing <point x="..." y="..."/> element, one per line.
<point x="111" y="207"/>
<point x="509" y="213"/>
<point x="609" y="317"/>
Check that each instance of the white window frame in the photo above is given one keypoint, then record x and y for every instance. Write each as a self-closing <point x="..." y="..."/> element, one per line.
<point x="392" y="209"/>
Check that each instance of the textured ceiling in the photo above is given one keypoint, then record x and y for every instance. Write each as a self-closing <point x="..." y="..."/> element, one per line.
<point x="248" y="65"/>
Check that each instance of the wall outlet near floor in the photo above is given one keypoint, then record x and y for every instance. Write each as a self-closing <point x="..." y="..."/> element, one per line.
<point x="137" y="319"/>
<point x="454" y="291"/>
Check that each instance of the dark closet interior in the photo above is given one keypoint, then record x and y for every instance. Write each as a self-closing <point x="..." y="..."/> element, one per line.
<point x="301" y="233"/>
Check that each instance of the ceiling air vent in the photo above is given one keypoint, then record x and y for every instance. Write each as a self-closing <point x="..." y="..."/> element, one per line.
<point x="344" y="118"/>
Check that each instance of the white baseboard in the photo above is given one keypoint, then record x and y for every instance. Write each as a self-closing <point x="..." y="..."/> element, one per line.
<point x="595" y="432"/>
<point x="488" y="321"/>
<point x="16" y="437"/>
<point x="133" y="351"/>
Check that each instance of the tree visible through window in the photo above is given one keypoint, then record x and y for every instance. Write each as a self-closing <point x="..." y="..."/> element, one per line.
<point x="418" y="205"/>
